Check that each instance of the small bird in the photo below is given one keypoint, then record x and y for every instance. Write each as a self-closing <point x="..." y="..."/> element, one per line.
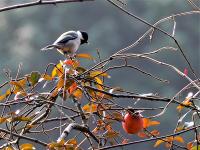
<point x="68" y="42"/>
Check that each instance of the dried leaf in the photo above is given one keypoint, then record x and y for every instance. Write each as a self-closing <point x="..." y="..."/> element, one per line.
<point x="46" y="77"/>
<point x="99" y="73"/>
<point x="117" y="116"/>
<point x="111" y="134"/>
<point x="19" y="85"/>
<point x="19" y="118"/>
<point x="3" y="119"/>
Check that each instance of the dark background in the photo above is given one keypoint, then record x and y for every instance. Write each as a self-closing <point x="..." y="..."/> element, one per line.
<point x="23" y="32"/>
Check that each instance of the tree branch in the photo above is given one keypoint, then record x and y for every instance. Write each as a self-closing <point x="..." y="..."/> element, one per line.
<point x="40" y="2"/>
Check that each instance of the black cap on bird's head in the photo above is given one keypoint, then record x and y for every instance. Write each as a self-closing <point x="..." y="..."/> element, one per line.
<point x="85" y="37"/>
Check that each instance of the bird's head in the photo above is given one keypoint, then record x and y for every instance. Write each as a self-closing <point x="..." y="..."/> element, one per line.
<point x="84" y="38"/>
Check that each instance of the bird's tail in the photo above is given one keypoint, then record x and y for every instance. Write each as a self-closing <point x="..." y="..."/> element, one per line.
<point x="48" y="47"/>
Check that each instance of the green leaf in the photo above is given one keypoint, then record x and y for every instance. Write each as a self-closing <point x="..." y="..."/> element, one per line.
<point x="196" y="148"/>
<point x="35" y="76"/>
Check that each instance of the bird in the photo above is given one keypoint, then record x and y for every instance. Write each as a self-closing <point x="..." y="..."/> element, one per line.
<point x="68" y="42"/>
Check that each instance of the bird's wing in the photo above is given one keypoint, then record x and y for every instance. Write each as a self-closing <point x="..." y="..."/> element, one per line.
<point x="64" y="38"/>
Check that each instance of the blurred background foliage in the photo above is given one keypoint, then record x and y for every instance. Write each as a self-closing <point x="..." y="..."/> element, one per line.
<point x="23" y="32"/>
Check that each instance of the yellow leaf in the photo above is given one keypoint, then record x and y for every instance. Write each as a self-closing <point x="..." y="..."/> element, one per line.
<point x="46" y="77"/>
<point x="19" y="85"/>
<point x="8" y="148"/>
<point x="27" y="146"/>
<point x="2" y="97"/>
<point x="90" y="108"/>
<point x="55" y="145"/>
<point x="98" y="80"/>
<point x="57" y="71"/>
<point x="180" y="128"/>
<point x="179" y="139"/>
<point x="99" y="73"/>
<point x="87" y="56"/>
<point x="186" y="103"/>
<point x="158" y="142"/>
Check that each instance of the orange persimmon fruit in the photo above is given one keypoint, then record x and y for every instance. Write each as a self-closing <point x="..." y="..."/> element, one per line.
<point x="132" y="123"/>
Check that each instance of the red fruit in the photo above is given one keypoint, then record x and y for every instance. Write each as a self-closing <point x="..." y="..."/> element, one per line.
<point x="132" y="123"/>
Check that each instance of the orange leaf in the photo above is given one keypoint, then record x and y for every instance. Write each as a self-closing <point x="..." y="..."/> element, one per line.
<point x="125" y="141"/>
<point x="142" y="134"/>
<point x="72" y="63"/>
<point x="27" y="146"/>
<point x="72" y="141"/>
<point x="147" y="123"/>
<point x="87" y="56"/>
<point x="78" y="94"/>
<point x="158" y="142"/>
<point x="90" y="108"/>
<point x="189" y="145"/>
<point x="72" y="88"/>
<point x="155" y="132"/>
<point x="179" y="139"/>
